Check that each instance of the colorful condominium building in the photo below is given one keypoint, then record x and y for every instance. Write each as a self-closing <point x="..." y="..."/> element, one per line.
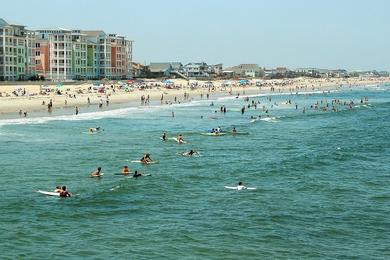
<point x="62" y="54"/>
<point x="17" y="52"/>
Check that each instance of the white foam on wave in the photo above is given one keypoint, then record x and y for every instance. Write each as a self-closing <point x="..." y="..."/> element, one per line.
<point x="116" y="113"/>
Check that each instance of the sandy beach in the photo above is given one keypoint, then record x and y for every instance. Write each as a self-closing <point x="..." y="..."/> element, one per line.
<point x="33" y="98"/>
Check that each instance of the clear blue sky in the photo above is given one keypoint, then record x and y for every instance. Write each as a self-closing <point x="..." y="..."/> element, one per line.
<point x="327" y="34"/>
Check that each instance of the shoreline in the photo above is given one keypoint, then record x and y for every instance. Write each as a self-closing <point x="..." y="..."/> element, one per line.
<point x="117" y="98"/>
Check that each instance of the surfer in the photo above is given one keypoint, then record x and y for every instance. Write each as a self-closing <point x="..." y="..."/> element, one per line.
<point x="125" y="170"/>
<point x="146" y="158"/>
<point x="179" y="138"/>
<point x="137" y="174"/>
<point x="241" y="186"/>
<point x="164" y="137"/>
<point x="190" y="153"/>
<point x="234" y="131"/>
<point x="64" y="193"/>
<point x="58" y="189"/>
<point x="96" y="173"/>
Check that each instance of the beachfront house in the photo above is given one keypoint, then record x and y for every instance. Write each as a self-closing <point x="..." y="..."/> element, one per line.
<point x="160" y="69"/>
<point x="196" y="69"/>
<point x="244" y="70"/>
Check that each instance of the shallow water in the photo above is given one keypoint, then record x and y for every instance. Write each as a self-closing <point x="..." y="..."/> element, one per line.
<point x="322" y="182"/>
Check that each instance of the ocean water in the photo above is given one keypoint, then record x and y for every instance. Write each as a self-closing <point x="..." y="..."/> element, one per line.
<point x="322" y="179"/>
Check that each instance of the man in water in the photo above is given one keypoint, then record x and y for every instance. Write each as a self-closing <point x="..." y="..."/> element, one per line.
<point x="125" y="170"/>
<point x="137" y="174"/>
<point x="234" y="131"/>
<point x="146" y="158"/>
<point x="179" y="138"/>
<point x="64" y="193"/>
<point x="96" y="173"/>
<point x="190" y="153"/>
<point x="58" y="189"/>
<point x="241" y="186"/>
<point x="164" y="137"/>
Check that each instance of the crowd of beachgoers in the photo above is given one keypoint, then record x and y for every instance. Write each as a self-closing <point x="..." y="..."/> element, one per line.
<point x="23" y="99"/>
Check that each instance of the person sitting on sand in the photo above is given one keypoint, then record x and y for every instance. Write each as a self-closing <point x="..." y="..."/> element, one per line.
<point x="137" y="174"/>
<point x="146" y="158"/>
<point x="96" y="173"/>
<point x="64" y="193"/>
<point x="125" y="170"/>
<point x="164" y="137"/>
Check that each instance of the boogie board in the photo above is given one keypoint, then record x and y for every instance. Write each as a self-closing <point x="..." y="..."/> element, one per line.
<point x="49" y="193"/>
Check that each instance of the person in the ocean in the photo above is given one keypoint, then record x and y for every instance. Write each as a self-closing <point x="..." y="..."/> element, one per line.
<point x="137" y="174"/>
<point x="97" y="173"/>
<point x="64" y="193"/>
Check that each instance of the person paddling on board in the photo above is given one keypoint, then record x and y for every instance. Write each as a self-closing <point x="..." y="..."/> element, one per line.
<point x="179" y="138"/>
<point x="164" y="137"/>
<point x="146" y="158"/>
<point x="137" y="174"/>
<point x="241" y="186"/>
<point x="58" y="189"/>
<point x="96" y="173"/>
<point x="125" y="170"/>
<point x="64" y="193"/>
<point x="190" y="153"/>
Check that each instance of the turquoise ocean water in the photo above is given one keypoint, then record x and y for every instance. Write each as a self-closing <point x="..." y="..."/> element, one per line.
<point x="322" y="179"/>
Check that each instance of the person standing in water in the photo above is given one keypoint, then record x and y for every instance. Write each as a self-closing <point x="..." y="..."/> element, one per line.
<point x="77" y="110"/>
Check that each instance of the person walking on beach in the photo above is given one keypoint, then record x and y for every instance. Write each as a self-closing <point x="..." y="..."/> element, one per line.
<point x="77" y="110"/>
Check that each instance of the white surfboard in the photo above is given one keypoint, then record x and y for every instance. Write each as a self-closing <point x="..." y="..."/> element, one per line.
<point x="49" y="193"/>
<point x="101" y="174"/>
<point x="138" y="161"/>
<point x="213" y="134"/>
<point x="175" y="139"/>
<point x="239" y="188"/>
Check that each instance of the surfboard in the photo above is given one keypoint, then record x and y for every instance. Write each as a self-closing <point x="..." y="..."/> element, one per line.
<point x="101" y="174"/>
<point x="49" y="193"/>
<point x="122" y="174"/>
<point x="239" y="133"/>
<point x="213" y="134"/>
<point x="239" y="188"/>
<point x="175" y="139"/>
<point x="89" y="133"/>
<point x="137" y="161"/>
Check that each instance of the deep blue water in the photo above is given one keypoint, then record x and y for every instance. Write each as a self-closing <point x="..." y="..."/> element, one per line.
<point x="322" y="179"/>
